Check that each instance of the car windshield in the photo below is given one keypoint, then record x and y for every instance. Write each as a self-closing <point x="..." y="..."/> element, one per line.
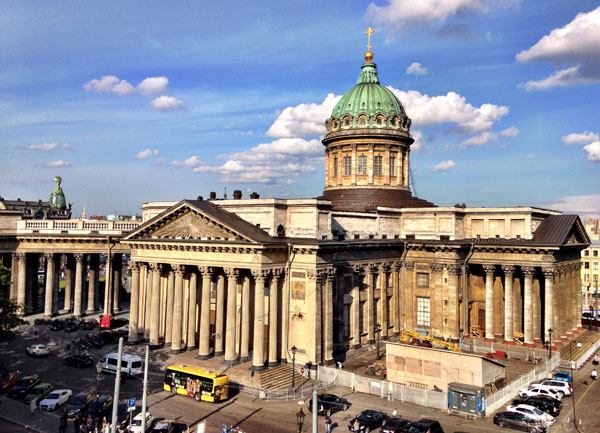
<point x="137" y="422"/>
<point x="23" y="382"/>
<point x="365" y="416"/>
<point x="536" y="411"/>
<point x="38" y="388"/>
<point x="53" y="396"/>
<point x="79" y="399"/>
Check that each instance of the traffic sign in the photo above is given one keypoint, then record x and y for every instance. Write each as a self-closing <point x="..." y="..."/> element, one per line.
<point x="301" y="370"/>
<point x="131" y="405"/>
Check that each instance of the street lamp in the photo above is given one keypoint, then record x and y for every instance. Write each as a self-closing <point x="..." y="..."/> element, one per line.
<point x="98" y="379"/>
<point x="294" y="371"/>
<point x="377" y="331"/>
<point x="300" y="418"/>
<point x="550" y="343"/>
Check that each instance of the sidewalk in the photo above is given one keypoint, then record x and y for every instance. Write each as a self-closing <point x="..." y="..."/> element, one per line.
<point x="18" y="413"/>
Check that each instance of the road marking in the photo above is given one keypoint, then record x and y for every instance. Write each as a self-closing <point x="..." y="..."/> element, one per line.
<point x="576" y="402"/>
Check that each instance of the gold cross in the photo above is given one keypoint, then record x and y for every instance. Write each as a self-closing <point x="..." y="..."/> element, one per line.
<point x="368" y="32"/>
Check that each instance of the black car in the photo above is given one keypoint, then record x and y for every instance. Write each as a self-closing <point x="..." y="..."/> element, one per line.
<point x="367" y="421"/>
<point x="71" y="325"/>
<point x="22" y="387"/>
<point x="329" y="403"/>
<point x="542" y="402"/>
<point x="425" y="426"/>
<point x="57" y="325"/>
<point x="79" y="404"/>
<point x="79" y="360"/>
<point x="88" y="324"/>
<point x="122" y="413"/>
<point x="107" y="337"/>
<point x="99" y="407"/>
<point x="518" y="421"/>
<point x="395" y="425"/>
<point x="80" y="345"/>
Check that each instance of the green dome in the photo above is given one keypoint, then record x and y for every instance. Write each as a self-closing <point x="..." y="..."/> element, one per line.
<point x="368" y="105"/>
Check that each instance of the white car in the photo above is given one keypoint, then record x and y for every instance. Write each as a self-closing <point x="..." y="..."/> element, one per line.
<point x="532" y="412"/>
<point x="56" y="399"/>
<point x="536" y="391"/>
<point x="38" y="350"/>
<point x="560" y="386"/>
<point x="136" y="423"/>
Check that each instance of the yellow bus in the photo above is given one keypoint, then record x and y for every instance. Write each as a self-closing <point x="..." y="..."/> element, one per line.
<point x="196" y="382"/>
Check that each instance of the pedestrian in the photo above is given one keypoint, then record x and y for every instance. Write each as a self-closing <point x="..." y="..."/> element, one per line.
<point x="327" y="421"/>
<point x="62" y="424"/>
<point x="596" y="359"/>
<point x="77" y="424"/>
<point x="356" y="426"/>
<point x="395" y="412"/>
<point x="594" y="374"/>
<point x="308" y="368"/>
<point x="32" y="405"/>
<point x="89" y="422"/>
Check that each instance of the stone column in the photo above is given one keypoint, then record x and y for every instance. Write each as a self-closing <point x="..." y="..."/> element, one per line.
<point x="578" y="308"/>
<point x="232" y="275"/>
<point x="48" y="301"/>
<point x="258" y="349"/>
<point x="204" y="347"/>
<point x="77" y="300"/>
<point x="452" y="309"/>
<point x="508" y="303"/>
<point x="397" y="304"/>
<point x="192" y="304"/>
<point x="383" y="310"/>
<point x="117" y="284"/>
<point x="107" y="309"/>
<point x="328" y="317"/>
<point x="169" y="307"/>
<point x="436" y="300"/>
<point x="409" y="297"/>
<point x="355" y="306"/>
<point x="91" y="300"/>
<point x="220" y="317"/>
<point x="155" y="305"/>
<point x="489" y="302"/>
<point x="134" y="305"/>
<point x="68" y="283"/>
<point x="21" y="279"/>
<point x="245" y="325"/>
<point x="177" y="331"/>
<point x="371" y="304"/>
<point x="285" y="316"/>
<point x="528" y="305"/>
<point x="548" y="302"/>
<point x="273" y="305"/>
<point x="14" y="270"/>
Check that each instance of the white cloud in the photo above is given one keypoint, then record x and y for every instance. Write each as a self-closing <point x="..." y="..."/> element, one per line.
<point x="580" y="138"/>
<point x="304" y="119"/>
<point x="577" y="44"/>
<point x="592" y="151"/>
<point x="513" y="131"/>
<point x="489" y="136"/>
<point x="418" y="145"/>
<point x="445" y="166"/>
<point x="399" y="15"/>
<point x="58" y="164"/>
<point x="167" y="103"/>
<point x="51" y="147"/>
<point x="153" y="85"/>
<point x="109" y="84"/>
<point x="191" y="162"/>
<point x="417" y="69"/>
<point x="587" y="205"/>
<point x="147" y="153"/>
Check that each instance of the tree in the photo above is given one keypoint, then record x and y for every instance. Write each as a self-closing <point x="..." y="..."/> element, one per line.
<point x="4" y="276"/>
<point x="10" y="318"/>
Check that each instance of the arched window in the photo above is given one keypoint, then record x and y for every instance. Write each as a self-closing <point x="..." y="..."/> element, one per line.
<point x="280" y="231"/>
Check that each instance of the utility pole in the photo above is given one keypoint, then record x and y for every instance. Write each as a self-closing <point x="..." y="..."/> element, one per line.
<point x="145" y="391"/>
<point x="314" y="413"/>
<point x="115" y="411"/>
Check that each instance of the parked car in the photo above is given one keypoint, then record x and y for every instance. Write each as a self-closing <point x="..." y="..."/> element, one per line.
<point x="38" y="350"/>
<point x="79" y="360"/>
<point x="80" y="345"/>
<point x="88" y="324"/>
<point x="57" y="325"/>
<point x="7" y="380"/>
<point x="79" y="404"/>
<point x="367" y="421"/>
<point x="518" y="421"/>
<point x="330" y="403"/>
<point x="537" y="391"/>
<point x="99" y="407"/>
<point x="71" y="325"/>
<point x="136" y="423"/>
<point x="545" y="404"/>
<point x="425" y="426"/>
<point x="94" y="339"/>
<point x="532" y="412"/>
<point x="559" y="386"/>
<point x="165" y="426"/>
<point x="563" y="375"/>
<point x="395" y="425"/>
<point x="21" y="388"/>
<point x="107" y="337"/>
<point x="38" y="392"/>
<point x="122" y="413"/>
<point x="57" y="398"/>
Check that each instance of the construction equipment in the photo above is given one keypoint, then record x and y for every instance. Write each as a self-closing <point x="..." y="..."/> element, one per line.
<point x="408" y="337"/>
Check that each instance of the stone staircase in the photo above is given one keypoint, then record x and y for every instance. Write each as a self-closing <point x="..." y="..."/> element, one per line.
<point x="280" y="376"/>
<point x="573" y="353"/>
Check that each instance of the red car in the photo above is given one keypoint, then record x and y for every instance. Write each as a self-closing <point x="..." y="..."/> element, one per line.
<point x="7" y="380"/>
<point x="105" y="321"/>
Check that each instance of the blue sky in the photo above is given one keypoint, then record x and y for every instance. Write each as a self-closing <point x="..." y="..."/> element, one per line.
<point x="139" y="101"/>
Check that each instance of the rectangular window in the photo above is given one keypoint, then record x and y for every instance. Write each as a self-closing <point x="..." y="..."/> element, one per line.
<point x="587" y="278"/>
<point x="586" y="265"/>
<point x="595" y="253"/>
<point x="392" y="166"/>
<point x="596" y="279"/>
<point x="586" y="253"/>
<point x="423" y="311"/>
<point x="595" y="266"/>
<point x="378" y="165"/>
<point x="335" y="167"/>
<point x="422" y="280"/>
<point x="362" y="165"/>
<point x="347" y="165"/>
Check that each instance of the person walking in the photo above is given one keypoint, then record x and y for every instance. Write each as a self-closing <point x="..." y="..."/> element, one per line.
<point x="327" y="421"/>
<point x="32" y="406"/>
<point x="62" y="424"/>
<point x="596" y="359"/>
<point x="356" y="426"/>
<point x="594" y="374"/>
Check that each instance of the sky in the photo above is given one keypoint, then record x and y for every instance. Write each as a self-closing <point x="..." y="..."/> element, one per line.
<point x="138" y="101"/>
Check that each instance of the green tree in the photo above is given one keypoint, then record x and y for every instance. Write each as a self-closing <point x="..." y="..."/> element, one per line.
<point x="4" y="276"/>
<point x="10" y="313"/>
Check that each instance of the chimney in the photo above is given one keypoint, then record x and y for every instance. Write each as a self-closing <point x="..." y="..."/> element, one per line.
<point x="254" y="195"/>
<point x="200" y="198"/>
<point x="212" y="196"/>
<point x="237" y="194"/>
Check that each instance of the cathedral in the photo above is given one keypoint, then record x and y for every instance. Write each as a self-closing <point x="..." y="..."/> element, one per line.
<point x="255" y="279"/>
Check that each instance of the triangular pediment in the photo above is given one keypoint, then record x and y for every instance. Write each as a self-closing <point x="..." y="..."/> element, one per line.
<point x="197" y="221"/>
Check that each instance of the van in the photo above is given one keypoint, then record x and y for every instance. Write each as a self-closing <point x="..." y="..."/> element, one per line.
<point x="130" y="364"/>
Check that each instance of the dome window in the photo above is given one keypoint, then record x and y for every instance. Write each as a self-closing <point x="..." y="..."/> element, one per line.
<point x="362" y="120"/>
<point x="346" y="122"/>
<point x="379" y="121"/>
<point x="335" y="124"/>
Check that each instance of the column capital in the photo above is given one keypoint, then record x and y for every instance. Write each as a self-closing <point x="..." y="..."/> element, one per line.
<point x="276" y="273"/>
<point x="410" y="266"/>
<point x="314" y="275"/>
<point x="143" y="266"/>
<point x="331" y="273"/>
<point x="78" y="256"/>
<point x="134" y="266"/>
<point x="384" y="267"/>
<point x="206" y="271"/>
<point x="436" y="267"/>
<point x="489" y="269"/>
<point x="373" y="268"/>
<point x="358" y="268"/>
<point x="397" y="266"/>
<point x="508" y="269"/>
<point x="527" y="270"/>
<point x="259" y="274"/>
<point x="49" y="256"/>
<point x="231" y="272"/>
<point x="548" y="272"/>
<point x="453" y="269"/>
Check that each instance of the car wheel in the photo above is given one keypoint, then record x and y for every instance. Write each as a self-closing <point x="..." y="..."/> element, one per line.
<point x="197" y="396"/>
<point x="173" y="389"/>
<point x="561" y="394"/>
<point x="346" y="407"/>
<point x="501" y="424"/>
<point x="533" y="430"/>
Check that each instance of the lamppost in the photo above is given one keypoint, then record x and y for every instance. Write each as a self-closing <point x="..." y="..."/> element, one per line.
<point x="550" y="343"/>
<point x="300" y="418"/>
<point x="294" y="370"/>
<point x="377" y="331"/>
<point x="98" y="379"/>
<point x="573" y="382"/>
